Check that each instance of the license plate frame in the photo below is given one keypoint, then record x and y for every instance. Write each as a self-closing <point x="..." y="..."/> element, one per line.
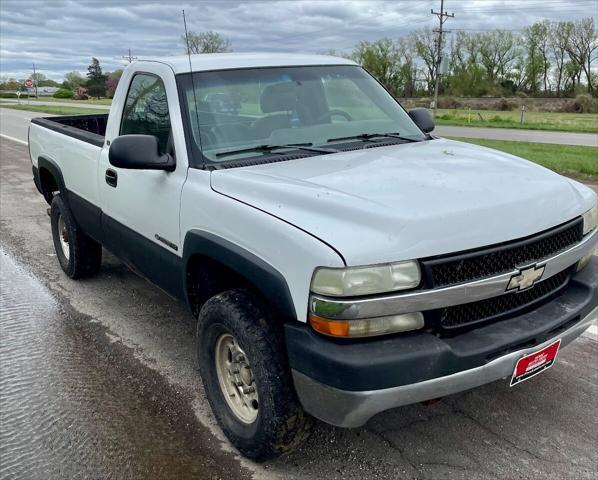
<point x="532" y="364"/>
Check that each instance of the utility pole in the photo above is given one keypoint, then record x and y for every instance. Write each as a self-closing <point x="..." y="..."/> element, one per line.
<point x="35" y="80"/>
<point x="129" y="57"/>
<point x="442" y="17"/>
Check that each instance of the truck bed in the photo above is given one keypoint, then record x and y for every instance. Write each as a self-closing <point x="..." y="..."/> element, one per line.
<point x="88" y="128"/>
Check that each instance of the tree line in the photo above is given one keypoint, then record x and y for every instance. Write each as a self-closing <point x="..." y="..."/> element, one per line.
<point x="96" y="83"/>
<point x="544" y="59"/>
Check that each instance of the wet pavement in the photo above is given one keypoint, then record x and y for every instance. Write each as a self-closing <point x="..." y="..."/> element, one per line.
<point x="75" y="405"/>
<point x="98" y="380"/>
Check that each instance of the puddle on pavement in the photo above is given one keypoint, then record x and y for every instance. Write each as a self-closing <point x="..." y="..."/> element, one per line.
<point x="73" y="404"/>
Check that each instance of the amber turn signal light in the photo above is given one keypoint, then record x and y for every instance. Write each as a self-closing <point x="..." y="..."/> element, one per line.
<point x="335" y="328"/>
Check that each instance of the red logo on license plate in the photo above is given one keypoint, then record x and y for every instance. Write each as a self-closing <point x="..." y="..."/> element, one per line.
<point x="534" y="363"/>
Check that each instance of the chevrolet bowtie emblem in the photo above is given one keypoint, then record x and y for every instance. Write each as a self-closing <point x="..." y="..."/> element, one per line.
<point x="526" y="278"/>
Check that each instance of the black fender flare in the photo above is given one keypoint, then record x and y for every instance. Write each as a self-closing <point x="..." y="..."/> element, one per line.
<point x="268" y="281"/>
<point x="54" y="169"/>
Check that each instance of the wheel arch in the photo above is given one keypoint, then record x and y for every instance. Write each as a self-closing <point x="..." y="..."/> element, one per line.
<point x="218" y="265"/>
<point x="50" y="179"/>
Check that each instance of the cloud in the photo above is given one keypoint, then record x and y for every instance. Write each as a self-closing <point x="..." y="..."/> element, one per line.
<point x="63" y="35"/>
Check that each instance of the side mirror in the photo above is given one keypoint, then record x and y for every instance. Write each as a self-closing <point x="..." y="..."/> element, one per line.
<point x="139" y="152"/>
<point x="423" y="119"/>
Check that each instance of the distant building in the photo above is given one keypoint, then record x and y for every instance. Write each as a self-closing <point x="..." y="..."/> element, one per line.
<point x="42" y="91"/>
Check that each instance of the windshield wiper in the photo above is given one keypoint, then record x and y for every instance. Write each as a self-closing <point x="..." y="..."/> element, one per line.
<point x="271" y="148"/>
<point x="369" y="136"/>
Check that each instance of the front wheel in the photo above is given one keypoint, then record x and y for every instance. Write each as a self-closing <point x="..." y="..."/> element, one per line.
<point x="246" y="377"/>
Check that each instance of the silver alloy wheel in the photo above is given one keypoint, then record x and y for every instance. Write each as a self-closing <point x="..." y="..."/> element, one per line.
<point x="236" y="379"/>
<point x="63" y="236"/>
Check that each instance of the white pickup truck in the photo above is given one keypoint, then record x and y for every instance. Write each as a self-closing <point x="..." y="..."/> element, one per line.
<point x="340" y="260"/>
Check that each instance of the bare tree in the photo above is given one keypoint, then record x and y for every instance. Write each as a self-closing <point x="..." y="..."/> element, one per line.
<point x="465" y="51"/>
<point x="206" y="42"/>
<point x="559" y="40"/>
<point x="534" y="65"/>
<point x="583" y="46"/>
<point x="497" y="51"/>
<point x="424" y="42"/>
<point x="381" y="58"/>
<point x="538" y="34"/>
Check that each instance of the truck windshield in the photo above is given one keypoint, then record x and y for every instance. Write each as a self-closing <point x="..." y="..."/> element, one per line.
<point x="249" y="113"/>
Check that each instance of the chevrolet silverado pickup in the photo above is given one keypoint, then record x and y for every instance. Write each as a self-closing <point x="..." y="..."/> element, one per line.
<point x="339" y="258"/>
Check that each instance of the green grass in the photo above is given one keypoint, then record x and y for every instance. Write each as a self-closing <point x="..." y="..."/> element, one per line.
<point x="57" y="110"/>
<point x="93" y="101"/>
<point x="573" y="161"/>
<point x="566" y="122"/>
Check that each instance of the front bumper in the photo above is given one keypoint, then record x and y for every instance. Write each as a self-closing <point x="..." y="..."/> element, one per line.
<point x="346" y="383"/>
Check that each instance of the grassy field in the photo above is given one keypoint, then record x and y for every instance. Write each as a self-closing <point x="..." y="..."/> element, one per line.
<point x="566" y="122"/>
<point x="573" y="161"/>
<point x="93" y="101"/>
<point x="57" y="110"/>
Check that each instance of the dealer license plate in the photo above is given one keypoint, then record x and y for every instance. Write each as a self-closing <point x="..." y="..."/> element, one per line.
<point x="530" y="365"/>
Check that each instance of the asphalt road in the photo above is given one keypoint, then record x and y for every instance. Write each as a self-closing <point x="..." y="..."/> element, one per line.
<point x="99" y="376"/>
<point x="512" y="134"/>
<point x="16" y="120"/>
<point x="15" y="123"/>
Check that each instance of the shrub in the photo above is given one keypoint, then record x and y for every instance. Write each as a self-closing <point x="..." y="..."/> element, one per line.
<point x="584" y="103"/>
<point x="14" y="95"/>
<point x="63" y="93"/>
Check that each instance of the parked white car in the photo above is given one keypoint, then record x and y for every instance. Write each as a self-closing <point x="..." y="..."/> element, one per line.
<point x="340" y="259"/>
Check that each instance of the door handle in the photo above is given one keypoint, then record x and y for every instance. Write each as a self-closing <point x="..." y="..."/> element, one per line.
<point x="111" y="177"/>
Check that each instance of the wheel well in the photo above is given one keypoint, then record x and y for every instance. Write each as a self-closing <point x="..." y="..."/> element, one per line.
<point x="207" y="277"/>
<point x="48" y="183"/>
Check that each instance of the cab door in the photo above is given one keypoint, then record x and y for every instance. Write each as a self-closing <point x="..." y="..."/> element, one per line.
<point x="141" y="207"/>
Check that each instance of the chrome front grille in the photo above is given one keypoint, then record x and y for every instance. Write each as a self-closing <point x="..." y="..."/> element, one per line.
<point x="497" y="259"/>
<point x="478" y="264"/>
<point x="500" y="307"/>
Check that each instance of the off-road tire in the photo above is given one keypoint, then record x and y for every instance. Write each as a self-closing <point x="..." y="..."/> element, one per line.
<point x="85" y="254"/>
<point x="281" y="424"/>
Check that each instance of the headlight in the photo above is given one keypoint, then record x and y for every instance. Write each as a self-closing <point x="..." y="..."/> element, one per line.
<point x="356" y="281"/>
<point x="590" y="220"/>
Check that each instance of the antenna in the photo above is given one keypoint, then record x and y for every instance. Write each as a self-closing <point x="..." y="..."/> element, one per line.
<point x="192" y="80"/>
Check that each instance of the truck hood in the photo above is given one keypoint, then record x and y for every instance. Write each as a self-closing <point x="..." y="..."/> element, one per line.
<point x="410" y="200"/>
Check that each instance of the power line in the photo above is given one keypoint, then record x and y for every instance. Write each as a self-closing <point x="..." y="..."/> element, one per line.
<point x="443" y="16"/>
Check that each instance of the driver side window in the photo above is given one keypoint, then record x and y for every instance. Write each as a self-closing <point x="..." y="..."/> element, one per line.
<point x="146" y="110"/>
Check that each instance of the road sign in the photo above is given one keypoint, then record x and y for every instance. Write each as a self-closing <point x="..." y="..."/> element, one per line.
<point x="29" y="83"/>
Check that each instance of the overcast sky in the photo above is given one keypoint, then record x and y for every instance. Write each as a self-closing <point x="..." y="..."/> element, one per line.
<point x="62" y="35"/>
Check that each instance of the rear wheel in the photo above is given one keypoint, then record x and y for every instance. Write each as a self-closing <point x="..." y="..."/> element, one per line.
<point x="78" y="255"/>
<point x="243" y="364"/>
